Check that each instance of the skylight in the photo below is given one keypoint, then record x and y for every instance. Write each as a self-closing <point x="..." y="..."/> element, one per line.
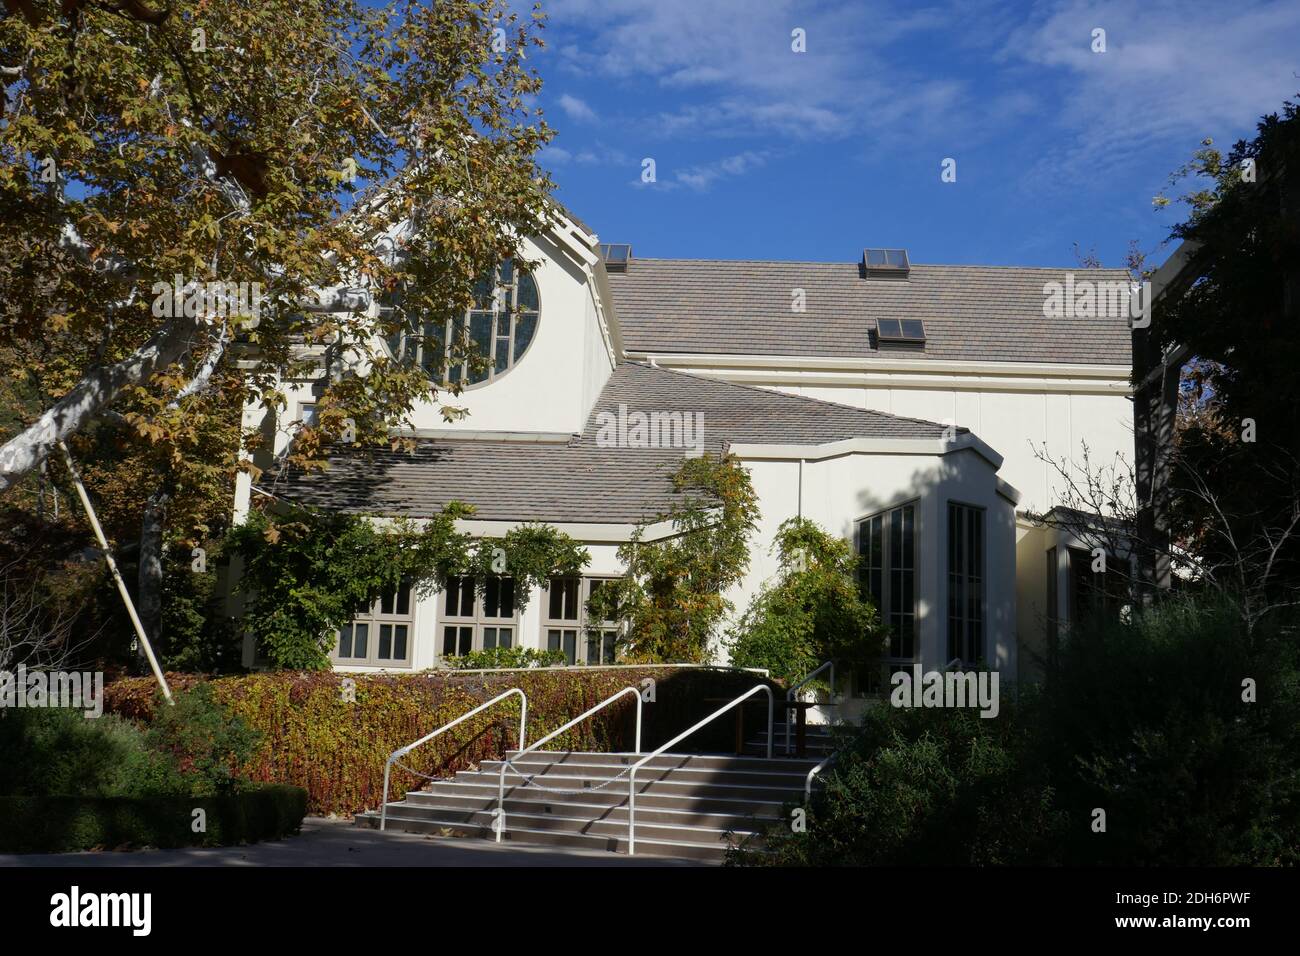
<point x="616" y="256"/>
<point x="900" y="330"/>
<point x="886" y="261"/>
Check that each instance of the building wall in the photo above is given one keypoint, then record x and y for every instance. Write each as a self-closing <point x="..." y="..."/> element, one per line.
<point x="838" y="492"/>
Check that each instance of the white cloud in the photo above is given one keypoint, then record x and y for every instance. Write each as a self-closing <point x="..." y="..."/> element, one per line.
<point x="577" y="109"/>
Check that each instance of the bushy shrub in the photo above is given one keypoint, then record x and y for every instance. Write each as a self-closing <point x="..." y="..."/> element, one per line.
<point x="1146" y="721"/>
<point x="54" y="751"/>
<point x="504" y="657"/>
<point x="813" y="611"/>
<point x="207" y="744"/>
<point x="67" y="824"/>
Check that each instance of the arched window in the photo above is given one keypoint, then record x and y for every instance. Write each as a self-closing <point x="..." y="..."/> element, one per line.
<point x="500" y="326"/>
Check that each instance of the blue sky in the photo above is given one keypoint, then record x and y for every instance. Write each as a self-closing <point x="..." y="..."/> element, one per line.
<point x="764" y="153"/>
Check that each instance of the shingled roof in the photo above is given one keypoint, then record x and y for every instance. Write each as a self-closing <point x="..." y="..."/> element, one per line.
<point x="582" y="481"/>
<point x="971" y="313"/>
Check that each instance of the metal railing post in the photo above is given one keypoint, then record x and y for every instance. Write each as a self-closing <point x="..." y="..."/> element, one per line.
<point x="631" y="777"/>
<point x="793" y="690"/>
<point x="403" y="751"/>
<point x="501" y="782"/>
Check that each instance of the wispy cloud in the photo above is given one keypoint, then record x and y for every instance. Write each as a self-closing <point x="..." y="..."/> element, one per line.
<point x="577" y="109"/>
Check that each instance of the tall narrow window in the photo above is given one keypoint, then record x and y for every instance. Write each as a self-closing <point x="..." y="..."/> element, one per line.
<point x="566" y="626"/>
<point x="473" y="623"/>
<point x="965" y="583"/>
<point x="381" y="636"/>
<point x="887" y="546"/>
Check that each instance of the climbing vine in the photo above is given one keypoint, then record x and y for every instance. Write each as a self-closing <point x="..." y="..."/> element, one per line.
<point x="309" y="572"/>
<point x="671" y="598"/>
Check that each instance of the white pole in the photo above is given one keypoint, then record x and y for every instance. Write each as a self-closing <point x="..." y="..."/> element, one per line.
<point x="112" y="567"/>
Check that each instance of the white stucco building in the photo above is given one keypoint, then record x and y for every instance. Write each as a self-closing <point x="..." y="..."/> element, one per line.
<point x="900" y="406"/>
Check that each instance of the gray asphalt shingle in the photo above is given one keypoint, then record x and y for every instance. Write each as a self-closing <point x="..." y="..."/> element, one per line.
<point x="581" y="480"/>
<point x="990" y="313"/>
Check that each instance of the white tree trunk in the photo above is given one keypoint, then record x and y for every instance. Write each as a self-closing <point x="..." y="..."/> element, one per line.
<point x="90" y="396"/>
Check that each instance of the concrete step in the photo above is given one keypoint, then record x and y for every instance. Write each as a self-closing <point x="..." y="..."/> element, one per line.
<point x="517" y="830"/>
<point x="706" y="802"/>
<point x="680" y="788"/>
<point x="789" y="777"/>
<point x="694" y="761"/>
<point x="543" y="805"/>
<point x="677" y="832"/>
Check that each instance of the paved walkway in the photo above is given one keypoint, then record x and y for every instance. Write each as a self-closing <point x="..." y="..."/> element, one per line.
<point x="325" y="842"/>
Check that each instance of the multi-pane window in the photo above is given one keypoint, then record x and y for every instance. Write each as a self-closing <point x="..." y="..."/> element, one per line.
<point x="567" y="627"/>
<point x="965" y="583"/>
<point x="474" y="622"/>
<point x="382" y="636"/>
<point x="497" y="328"/>
<point x="887" y="546"/>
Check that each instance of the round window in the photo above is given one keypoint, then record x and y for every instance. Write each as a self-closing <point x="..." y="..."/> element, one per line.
<point x="484" y="343"/>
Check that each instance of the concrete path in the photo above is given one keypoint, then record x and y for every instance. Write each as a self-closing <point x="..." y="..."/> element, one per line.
<point x="325" y="842"/>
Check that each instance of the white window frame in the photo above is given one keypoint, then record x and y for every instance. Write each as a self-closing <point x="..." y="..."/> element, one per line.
<point x="588" y="637"/>
<point x="891" y="616"/>
<point x="957" y="643"/>
<point x="475" y="630"/>
<point x="385" y="613"/>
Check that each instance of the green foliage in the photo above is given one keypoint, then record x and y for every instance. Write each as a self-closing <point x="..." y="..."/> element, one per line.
<point x="1146" y="721"/>
<point x="58" y="752"/>
<point x="310" y="572"/>
<point x="672" y="594"/>
<point x="312" y="737"/>
<point x="208" y="744"/>
<point x="68" y="824"/>
<point x="504" y="657"/>
<point x="814" y="610"/>
<point x="196" y="635"/>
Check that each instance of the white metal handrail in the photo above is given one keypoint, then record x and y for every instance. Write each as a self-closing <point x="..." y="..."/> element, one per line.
<point x="403" y="751"/>
<point x="500" y="821"/>
<point x="789" y="695"/>
<point x="631" y="778"/>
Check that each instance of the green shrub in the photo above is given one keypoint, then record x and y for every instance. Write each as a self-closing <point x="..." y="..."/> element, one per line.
<point x="57" y="751"/>
<point x="812" y="612"/>
<point x="64" y="824"/>
<point x="207" y="744"/>
<point x="313" y="737"/>
<point x="1145" y="721"/>
<point x="505" y="657"/>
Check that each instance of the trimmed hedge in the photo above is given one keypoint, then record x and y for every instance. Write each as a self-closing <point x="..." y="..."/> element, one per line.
<point x="66" y="824"/>
<point x="313" y="738"/>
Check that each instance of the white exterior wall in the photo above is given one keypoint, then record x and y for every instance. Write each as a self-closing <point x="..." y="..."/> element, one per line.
<point x="838" y="492"/>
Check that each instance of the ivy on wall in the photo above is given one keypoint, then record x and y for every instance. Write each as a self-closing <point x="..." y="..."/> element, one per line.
<point x="308" y="572"/>
<point x="672" y="595"/>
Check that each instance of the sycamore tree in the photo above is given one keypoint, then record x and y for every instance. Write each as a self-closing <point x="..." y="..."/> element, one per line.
<point x="201" y="199"/>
